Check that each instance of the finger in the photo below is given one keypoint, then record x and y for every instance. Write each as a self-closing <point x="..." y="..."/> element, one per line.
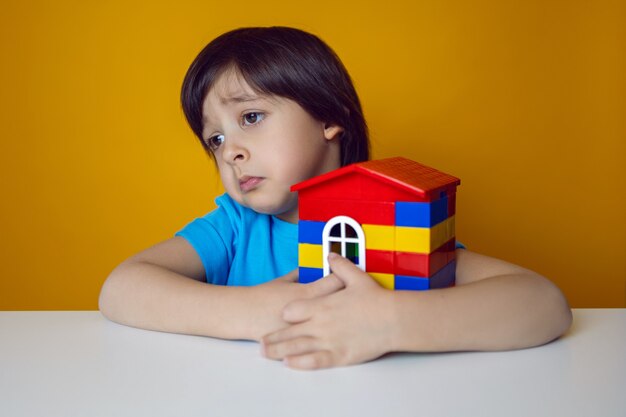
<point x="281" y="335"/>
<point x="314" y="360"/>
<point x="299" y="310"/>
<point x="297" y="346"/>
<point x="346" y="271"/>
<point x="291" y="276"/>
<point x="325" y="286"/>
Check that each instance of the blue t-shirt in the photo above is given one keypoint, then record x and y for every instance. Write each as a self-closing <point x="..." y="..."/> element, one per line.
<point x="239" y="246"/>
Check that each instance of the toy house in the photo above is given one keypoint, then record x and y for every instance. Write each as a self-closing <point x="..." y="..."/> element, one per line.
<point x="394" y="218"/>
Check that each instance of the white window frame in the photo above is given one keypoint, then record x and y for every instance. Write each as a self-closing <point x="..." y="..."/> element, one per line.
<point x="327" y="239"/>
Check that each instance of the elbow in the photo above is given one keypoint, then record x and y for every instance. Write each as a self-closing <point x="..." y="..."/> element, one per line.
<point x="105" y="298"/>
<point x="546" y="314"/>
<point x="563" y="313"/>
<point x="110" y="294"/>
<point x="557" y="314"/>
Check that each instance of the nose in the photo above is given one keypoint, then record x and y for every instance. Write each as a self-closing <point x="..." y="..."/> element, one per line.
<point x="234" y="151"/>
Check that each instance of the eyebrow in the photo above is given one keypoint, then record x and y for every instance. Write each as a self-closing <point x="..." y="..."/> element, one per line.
<point x="241" y="98"/>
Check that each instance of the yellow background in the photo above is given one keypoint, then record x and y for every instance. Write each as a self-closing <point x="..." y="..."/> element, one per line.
<point x="524" y="101"/>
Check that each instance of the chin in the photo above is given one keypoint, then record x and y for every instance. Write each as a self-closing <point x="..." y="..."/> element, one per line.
<point x="270" y="208"/>
<point x="257" y="204"/>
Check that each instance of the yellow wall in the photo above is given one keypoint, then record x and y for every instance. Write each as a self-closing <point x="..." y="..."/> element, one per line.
<point x="524" y="101"/>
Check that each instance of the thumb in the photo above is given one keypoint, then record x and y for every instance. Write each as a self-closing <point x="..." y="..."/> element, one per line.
<point x="346" y="271"/>
<point x="325" y="286"/>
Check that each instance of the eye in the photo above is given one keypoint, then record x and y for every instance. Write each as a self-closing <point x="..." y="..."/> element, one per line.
<point x="214" y="142"/>
<point x="252" y="118"/>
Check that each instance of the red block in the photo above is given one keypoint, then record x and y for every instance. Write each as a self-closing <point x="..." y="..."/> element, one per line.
<point x="412" y="264"/>
<point x="356" y="187"/>
<point x="364" y="212"/>
<point x="451" y="250"/>
<point x="417" y="264"/>
<point x="379" y="261"/>
<point x="451" y="203"/>
<point x="392" y="179"/>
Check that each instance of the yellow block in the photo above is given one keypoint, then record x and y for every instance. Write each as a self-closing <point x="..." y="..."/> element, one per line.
<point x="444" y="232"/>
<point x="310" y="256"/>
<point x="379" y="237"/>
<point x="450" y="226"/>
<point x="413" y="239"/>
<point x="424" y="240"/>
<point x="385" y="280"/>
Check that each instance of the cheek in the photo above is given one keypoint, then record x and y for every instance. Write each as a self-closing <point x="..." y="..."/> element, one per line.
<point x="306" y="150"/>
<point x="226" y="175"/>
<point x="300" y="167"/>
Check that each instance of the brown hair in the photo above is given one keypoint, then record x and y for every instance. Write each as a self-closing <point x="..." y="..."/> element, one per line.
<point x="285" y="62"/>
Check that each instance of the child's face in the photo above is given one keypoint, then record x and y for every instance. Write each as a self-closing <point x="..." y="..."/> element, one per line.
<point x="265" y="144"/>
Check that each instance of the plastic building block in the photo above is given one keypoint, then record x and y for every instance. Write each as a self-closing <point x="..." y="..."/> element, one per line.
<point x="401" y="175"/>
<point x="385" y="280"/>
<point x="310" y="232"/>
<point x="310" y="255"/>
<point x="418" y="264"/>
<point x="412" y="283"/>
<point x="410" y="264"/>
<point x="372" y="212"/>
<point x="357" y="184"/>
<point x="394" y="218"/>
<point x="445" y="277"/>
<point x="379" y="237"/>
<point x="451" y="204"/>
<point x="415" y="264"/>
<point x="421" y="214"/>
<point x="411" y="175"/>
<point x="364" y="212"/>
<point x="307" y="275"/>
<point x="413" y="239"/>
<point x="380" y="261"/>
<point x="450" y="229"/>
<point x="452" y="253"/>
<point x="424" y="240"/>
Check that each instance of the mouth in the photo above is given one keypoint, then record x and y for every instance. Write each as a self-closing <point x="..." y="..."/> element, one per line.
<point x="247" y="183"/>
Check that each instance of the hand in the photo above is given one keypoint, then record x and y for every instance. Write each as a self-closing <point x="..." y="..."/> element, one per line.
<point x="268" y="300"/>
<point x="345" y="327"/>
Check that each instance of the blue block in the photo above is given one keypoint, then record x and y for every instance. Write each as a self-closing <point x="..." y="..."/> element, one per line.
<point x="403" y="282"/>
<point x="421" y="214"/>
<point x="310" y="232"/>
<point x="307" y="275"/>
<point x="439" y="210"/>
<point x="445" y="277"/>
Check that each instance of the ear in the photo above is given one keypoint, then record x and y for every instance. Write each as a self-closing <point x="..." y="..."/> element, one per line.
<point x="332" y="131"/>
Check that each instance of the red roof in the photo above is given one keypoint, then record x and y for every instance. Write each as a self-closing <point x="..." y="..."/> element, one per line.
<point x="401" y="172"/>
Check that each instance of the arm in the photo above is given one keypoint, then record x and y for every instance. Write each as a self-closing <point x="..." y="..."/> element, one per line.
<point x="495" y="306"/>
<point x="163" y="288"/>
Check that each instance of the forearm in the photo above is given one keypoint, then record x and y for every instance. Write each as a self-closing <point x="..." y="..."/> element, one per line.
<point x="498" y="313"/>
<point x="151" y="297"/>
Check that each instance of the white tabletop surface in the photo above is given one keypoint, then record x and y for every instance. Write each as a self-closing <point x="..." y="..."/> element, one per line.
<point x="80" y="364"/>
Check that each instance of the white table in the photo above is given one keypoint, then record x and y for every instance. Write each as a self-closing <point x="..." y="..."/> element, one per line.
<point x="80" y="364"/>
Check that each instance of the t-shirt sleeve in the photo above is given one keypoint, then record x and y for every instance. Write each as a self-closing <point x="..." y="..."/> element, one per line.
<point x="213" y="237"/>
